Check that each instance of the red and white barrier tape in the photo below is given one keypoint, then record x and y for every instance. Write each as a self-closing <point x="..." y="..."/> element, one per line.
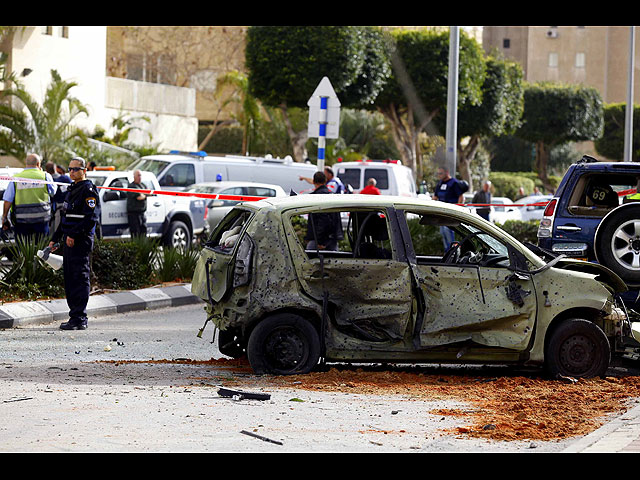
<point x="247" y="198"/>
<point x="210" y="196"/>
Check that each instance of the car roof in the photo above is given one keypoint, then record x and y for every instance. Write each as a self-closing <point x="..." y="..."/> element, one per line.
<point x="113" y="173"/>
<point x="353" y="200"/>
<point x="369" y="164"/>
<point x="236" y="183"/>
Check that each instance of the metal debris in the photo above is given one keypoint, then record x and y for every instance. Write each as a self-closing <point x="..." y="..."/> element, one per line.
<point x="240" y="395"/>
<point x="260" y="437"/>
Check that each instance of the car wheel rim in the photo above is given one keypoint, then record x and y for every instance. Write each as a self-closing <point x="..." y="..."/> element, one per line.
<point x="179" y="239"/>
<point x="286" y="349"/>
<point x="625" y="245"/>
<point x="578" y="354"/>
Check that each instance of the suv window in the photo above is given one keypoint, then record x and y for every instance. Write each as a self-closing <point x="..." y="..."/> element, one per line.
<point x="179" y="175"/>
<point x="596" y="194"/>
<point x="380" y="174"/>
<point x="350" y="176"/>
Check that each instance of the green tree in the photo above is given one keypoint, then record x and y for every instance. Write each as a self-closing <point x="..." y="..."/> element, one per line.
<point x="44" y="129"/>
<point x="555" y="114"/>
<point x="286" y="63"/>
<point x="611" y="143"/>
<point x="499" y="113"/>
<point x="417" y="90"/>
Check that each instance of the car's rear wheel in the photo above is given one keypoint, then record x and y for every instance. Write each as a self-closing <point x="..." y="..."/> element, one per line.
<point x="617" y="243"/>
<point x="578" y="348"/>
<point x="284" y="344"/>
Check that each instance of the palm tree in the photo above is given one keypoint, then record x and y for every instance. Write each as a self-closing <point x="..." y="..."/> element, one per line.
<point x="44" y="129"/>
<point x="250" y="111"/>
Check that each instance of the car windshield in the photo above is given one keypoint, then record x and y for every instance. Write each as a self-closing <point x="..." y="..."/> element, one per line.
<point x="150" y="165"/>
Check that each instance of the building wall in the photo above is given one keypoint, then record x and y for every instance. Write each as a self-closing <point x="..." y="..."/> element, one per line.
<point x="79" y="54"/>
<point x="78" y="58"/>
<point x="556" y="54"/>
<point x="170" y="110"/>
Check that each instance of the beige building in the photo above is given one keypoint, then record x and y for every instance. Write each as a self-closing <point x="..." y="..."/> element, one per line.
<point x="79" y="54"/>
<point x="595" y="56"/>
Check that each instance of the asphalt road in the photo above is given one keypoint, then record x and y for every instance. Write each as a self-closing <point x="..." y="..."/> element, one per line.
<point x="83" y="391"/>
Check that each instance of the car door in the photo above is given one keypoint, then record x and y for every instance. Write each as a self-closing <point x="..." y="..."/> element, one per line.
<point x="114" y="208"/>
<point x="115" y="222"/>
<point x="472" y="300"/>
<point x="367" y="281"/>
<point x="156" y="210"/>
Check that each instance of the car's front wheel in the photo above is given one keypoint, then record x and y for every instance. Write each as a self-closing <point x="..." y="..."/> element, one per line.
<point x="578" y="348"/>
<point x="283" y="344"/>
<point x="178" y="236"/>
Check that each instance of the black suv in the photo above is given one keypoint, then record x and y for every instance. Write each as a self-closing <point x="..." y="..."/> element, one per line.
<point x="593" y="216"/>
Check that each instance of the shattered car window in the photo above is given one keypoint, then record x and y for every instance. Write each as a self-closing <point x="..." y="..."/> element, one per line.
<point x="357" y="234"/>
<point x="426" y="236"/>
<point x="227" y="234"/>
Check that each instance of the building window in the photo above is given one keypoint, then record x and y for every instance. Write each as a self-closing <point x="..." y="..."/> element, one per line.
<point x="580" y="60"/>
<point x="57" y="31"/>
<point x="150" y="67"/>
<point x="553" y="60"/>
<point x="506" y="43"/>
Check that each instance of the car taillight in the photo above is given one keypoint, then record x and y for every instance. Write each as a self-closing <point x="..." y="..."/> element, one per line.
<point x="206" y="211"/>
<point x="550" y="208"/>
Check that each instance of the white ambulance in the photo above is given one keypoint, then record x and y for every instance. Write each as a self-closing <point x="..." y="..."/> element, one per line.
<point x="392" y="178"/>
<point x="178" y="170"/>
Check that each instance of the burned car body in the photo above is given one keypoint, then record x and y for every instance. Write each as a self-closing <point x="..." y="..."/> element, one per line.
<point x="390" y="293"/>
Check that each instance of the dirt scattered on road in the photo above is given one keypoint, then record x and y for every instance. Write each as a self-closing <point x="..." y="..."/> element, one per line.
<point x="499" y="408"/>
<point x="504" y="407"/>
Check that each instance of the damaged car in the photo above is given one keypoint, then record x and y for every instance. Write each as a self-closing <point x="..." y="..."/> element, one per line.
<point x="389" y="292"/>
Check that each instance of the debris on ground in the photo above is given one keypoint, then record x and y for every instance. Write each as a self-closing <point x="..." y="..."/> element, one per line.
<point x="241" y="395"/>
<point x="260" y="437"/>
<point x="506" y="408"/>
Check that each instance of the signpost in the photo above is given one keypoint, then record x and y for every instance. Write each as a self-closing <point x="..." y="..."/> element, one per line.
<point x="324" y="117"/>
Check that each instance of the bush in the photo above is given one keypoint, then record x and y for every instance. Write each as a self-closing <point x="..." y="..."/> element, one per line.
<point x="27" y="277"/>
<point x="425" y="238"/>
<point x="522" y="231"/>
<point x="139" y="263"/>
<point x="507" y="184"/>
<point x="119" y="266"/>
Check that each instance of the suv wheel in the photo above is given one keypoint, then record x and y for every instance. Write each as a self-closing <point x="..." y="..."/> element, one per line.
<point x="578" y="348"/>
<point x="178" y="236"/>
<point x="284" y="344"/>
<point x="617" y="243"/>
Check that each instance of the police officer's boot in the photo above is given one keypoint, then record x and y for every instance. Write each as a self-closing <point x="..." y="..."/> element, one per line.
<point x="74" y="324"/>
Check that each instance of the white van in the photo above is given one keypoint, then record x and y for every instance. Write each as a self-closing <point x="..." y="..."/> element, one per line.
<point x="178" y="170"/>
<point x="391" y="176"/>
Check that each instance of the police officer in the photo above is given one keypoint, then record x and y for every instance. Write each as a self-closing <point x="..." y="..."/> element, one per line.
<point x="30" y="202"/>
<point x="80" y="215"/>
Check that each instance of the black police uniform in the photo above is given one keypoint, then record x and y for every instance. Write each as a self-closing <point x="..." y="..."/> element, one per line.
<point x="80" y="215"/>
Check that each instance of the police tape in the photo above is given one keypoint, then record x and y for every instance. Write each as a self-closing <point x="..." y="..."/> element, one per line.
<point x="208" y="196"/>
<point x="249" y="198"/>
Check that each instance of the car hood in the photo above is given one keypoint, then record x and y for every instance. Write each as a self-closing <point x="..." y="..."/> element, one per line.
<point x="602" y="273"/>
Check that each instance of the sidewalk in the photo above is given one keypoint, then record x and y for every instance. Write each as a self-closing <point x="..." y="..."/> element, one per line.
<point x="620" y="435"/>
<point x="19" y="314"/>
